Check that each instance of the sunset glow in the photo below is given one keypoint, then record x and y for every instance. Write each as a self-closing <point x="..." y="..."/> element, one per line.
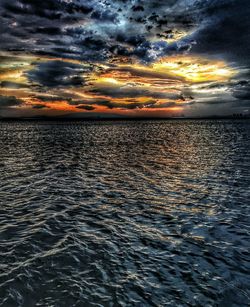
<point x="107" y="58"/>
<point x="130" y="88"/>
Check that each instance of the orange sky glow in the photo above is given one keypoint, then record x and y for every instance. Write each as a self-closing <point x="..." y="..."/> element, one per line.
<point x="122" y="88"/>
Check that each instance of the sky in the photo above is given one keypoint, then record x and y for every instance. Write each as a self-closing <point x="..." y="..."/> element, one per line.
<point x="124" y="58"/>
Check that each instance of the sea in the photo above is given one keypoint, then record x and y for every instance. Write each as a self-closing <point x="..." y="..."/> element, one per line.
<point x="124" y="213"/>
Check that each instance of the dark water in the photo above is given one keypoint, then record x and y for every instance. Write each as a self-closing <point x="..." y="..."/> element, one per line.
<point x="124" y="213"/>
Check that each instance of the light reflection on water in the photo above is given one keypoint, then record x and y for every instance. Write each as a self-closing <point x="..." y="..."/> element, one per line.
<point x="124" y="213"/>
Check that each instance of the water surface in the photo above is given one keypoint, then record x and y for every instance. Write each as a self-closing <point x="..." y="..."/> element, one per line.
<point x="128" y="213"/>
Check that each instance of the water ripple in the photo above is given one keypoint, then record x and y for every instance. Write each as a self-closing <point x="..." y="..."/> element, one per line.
<point x="124" y="213"/>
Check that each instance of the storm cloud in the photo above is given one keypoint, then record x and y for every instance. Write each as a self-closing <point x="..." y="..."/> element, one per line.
<point x="58" y="74"/>
<point x="73" y="44"/>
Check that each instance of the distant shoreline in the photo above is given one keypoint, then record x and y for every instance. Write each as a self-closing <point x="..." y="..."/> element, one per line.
<point x="5" y="119"/>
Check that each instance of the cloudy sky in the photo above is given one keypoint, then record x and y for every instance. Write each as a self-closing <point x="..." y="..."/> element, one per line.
<point x="124" y="58"/>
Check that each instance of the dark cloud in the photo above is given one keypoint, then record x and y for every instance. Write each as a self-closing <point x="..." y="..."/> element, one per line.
<point x="9" y="101"/>
<point x="105" y="16"/>
<point x="54" y="9"/>
<point x="224" y="31"/>
<point x="137" y="8"/>
<point x="86" y="107"/>
<point x="241" y="90"/>
<point x="117" y="105"/>
<point x="132" y="92"/>
<point x="47" y="30"/>
<point x="58" y="74"/>
<point x="150" y="104"/>
<point x="39" y="106"/>
<point x="140" y="72"/>
<point x="131" y="104"/>
<point x="49" y="98"/>
<point x="12" y="85"/>
<point x="108" y="28"/>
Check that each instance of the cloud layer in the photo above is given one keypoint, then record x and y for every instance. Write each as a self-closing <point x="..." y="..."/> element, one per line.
<point x="77" y="56"/>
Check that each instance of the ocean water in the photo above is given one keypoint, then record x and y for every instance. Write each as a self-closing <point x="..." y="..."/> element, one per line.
<point x="126" y="213"/>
